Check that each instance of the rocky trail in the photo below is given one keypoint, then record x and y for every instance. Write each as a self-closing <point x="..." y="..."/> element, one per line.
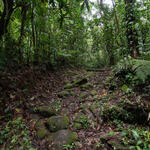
<point x="72" y="118"/>
<point x="69" y="109"/>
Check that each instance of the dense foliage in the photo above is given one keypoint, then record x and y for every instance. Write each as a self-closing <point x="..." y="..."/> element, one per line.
<point x="82" y="65"/>
<point x="78" y="32"/>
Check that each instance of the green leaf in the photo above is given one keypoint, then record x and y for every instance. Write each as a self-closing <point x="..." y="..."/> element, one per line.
<point x="135" y="134"/>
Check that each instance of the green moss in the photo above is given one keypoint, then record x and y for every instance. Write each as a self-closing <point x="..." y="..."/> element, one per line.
<point x="83" y="120"/>
<point x="48" y="111"/>
<point x="95" y="98"/>
<point x="93" y="92"/>
<point x="71" y="73"/>
<point x="77" y="126"/>
<point x="56" y="123"/>
<point x="90" y="73"/>
<point x="68" y="86"/>
<point x="39" y="124"/>
<point x="86" y="86"/>
<point x="61" y="138"/>
<point x="116" y="112"/>
<point x="84" y="106"/>
<point x="73" y="137"/>
<point x="41" y="133"/>
<point x="63" y="94"/>
<point x="83" y="95"/>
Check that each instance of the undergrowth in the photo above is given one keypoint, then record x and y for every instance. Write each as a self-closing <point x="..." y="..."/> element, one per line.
<point x="15" y="135"/>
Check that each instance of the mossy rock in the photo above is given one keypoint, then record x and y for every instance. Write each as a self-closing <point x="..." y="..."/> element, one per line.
<point x="79" y="82"/>
<point x="48" y="111"/>
<point x="77" y="126"/>
<point x="41" y="133"/>
<point x="63" y="94"/>
<point x="86" y="86"/>
<point x="56" y="123"/>
<point x="59" y="139"/>
<point x="69" y="86"/>
<point x="115" y="112"/>
<point x="75" y="83"/>
<point x="114" y="140"/>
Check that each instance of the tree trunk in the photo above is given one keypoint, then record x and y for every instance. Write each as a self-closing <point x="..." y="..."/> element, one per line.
<point x="24" y="12"/>
<point x="131" y="34"/>
<point x="5" y="17"/>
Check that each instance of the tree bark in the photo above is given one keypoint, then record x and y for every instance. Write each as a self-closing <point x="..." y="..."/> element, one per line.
<point x="131" y="34"/>
<point x="5" y="17"/>
<point x="24" y="12"/>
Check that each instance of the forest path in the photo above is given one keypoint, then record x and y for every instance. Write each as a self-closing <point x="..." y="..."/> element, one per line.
<point x="78" y="95"/>
<point x="63" y="109"/>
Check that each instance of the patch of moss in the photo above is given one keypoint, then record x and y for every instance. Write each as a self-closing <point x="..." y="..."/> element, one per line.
<point x="83" y="95"/>
<point x="41" y="133"/>
<point x="77" y="126"/>
<point x="71" y="73"/>
<point x="115" y="112"/>
<point x="86" y="86"/>
<point x="69" y="86"/>
<point x="83" y="120"/>
<point x="39" y="124"/>
<point x="63" y="94"/>
<point x="84" y="106"/>
<point x="48" y="111"/>
<point x="93" y="92"/>
<point x="95" y="98"/>
<point x="76" y="83"/>
<point x="90" y="73"/>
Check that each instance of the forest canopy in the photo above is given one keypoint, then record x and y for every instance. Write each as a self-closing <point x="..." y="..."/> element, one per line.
<point x="103" y="34"/>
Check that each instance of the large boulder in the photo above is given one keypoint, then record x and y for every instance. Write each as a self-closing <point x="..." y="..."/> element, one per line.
<point x="56" y="123"/>
<point x="59" y="139"/>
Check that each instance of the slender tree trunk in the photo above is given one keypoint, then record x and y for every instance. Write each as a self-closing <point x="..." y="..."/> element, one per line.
<point x="5" y="17"/>
<point x="131" y="34"/>
<point x="24" y="12"/>
<point x="33" y="31"/>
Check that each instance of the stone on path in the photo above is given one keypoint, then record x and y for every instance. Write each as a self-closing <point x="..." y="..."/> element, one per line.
<point x="56" y="123"/>
<point x="59" y="139"/>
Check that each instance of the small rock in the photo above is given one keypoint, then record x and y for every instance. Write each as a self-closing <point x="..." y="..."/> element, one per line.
<point x="41" y="133"/>
<point x="46" y="111"/>
<point x="61" y="138"/>
<point x="113" y="139"/>
<point x="56" y="123"/>
<point x="76" y="83"/>
<point x="63" y="94"/>
<point x="115" y="143"/>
